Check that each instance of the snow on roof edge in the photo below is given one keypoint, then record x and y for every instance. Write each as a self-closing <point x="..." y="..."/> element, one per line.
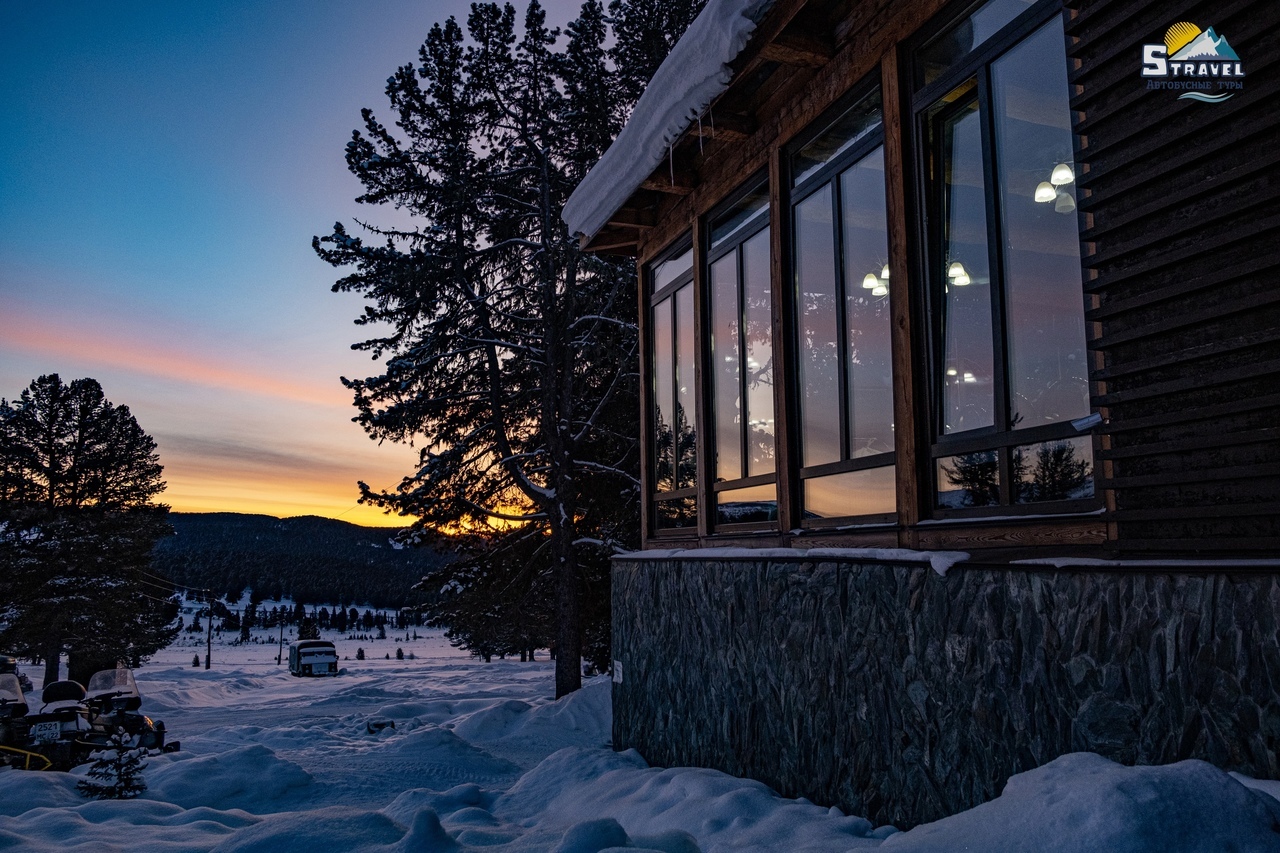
<point x="694" y="74"/>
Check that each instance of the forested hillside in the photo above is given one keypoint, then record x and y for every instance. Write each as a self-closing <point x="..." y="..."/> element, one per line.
<point x="311" y="560"/>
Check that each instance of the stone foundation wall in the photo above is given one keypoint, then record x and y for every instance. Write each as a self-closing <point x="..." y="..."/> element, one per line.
<point x="904" y="696"/>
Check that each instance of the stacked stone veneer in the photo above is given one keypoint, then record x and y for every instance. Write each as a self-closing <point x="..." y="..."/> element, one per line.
<point x="904" y="696"/>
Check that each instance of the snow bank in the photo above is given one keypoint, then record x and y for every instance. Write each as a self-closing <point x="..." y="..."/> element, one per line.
<point x="272" y="764"/>
<point x="1083" y="802"/>
<point x="689" y="79"/>
<point x="717" y="812"/>
<point x="252" y="778"/>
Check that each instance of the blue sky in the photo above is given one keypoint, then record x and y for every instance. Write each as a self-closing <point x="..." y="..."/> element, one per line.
<point x="163" y="167"/>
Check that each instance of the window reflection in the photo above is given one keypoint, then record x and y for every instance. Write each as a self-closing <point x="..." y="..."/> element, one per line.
<point x="757" y="318"/>
<point x="965" y="277"/>
<point x="970" y="479"/>
<point x="664" y="402"/>
<point x="867" y="354"/>
<point x="685" y="408"/>
<point x="725" y="358"/>
<point x="816" y="315"/>
<point x="1054" y="470"/>
<point x="744" y="506"/>
<point x="1048" y="377"/>
<point x="869" y="492"/>
<point x="954" y="44"/>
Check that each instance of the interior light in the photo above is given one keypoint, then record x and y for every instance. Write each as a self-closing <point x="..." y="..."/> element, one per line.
<point x="969" y="377"/>
<point x="1065" y="203"/>
<point x="951" y="371"/>
<point x="869" y="281"/>
<point x="1062" y="175"/>
<point x="1045" y="192"/>
<point x="961" y="280"/>
<point x="884" y="272"/>
<point x="880" y="290"/>
<point x="955" y="270"/>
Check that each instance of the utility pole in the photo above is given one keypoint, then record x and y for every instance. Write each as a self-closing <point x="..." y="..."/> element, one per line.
<point x="208" y="637"/>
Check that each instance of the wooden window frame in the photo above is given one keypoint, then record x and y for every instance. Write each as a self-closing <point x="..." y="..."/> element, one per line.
<point x="923" y="195"/>
<point x="796" y="193"/>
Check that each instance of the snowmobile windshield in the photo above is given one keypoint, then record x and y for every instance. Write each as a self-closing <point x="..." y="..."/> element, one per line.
<point x="10" y="689"/>
<point x="112" y="682"/>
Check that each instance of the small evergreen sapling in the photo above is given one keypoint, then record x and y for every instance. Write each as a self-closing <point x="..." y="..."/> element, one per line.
<point x="359" y="654"/>
<point x="399" y="653"/>
<point x="116" y="773"/>
<point x="195" y="660"/>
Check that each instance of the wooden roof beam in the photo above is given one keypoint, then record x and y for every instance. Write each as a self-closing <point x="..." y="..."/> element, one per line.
<point x="662" y="180"/>
<point x="805" y="51"/>
<point x="631" y="217"/>
<point x="731" y="126"/>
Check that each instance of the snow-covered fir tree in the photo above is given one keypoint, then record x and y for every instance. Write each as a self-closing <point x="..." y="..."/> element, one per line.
<point x="116" y="772"/>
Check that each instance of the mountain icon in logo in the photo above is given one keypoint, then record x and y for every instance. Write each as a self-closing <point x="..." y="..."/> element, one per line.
<point x="1185" y="41"/>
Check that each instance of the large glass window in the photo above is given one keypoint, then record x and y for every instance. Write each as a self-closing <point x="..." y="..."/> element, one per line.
<point x="1009" y="369"/>
<point x="741" y="327"/>
<point x="672" y="370"/>
<point x="841" y="268"/>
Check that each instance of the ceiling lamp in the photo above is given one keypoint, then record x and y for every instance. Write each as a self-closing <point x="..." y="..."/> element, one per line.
<point x="1065" y="203"/>
<point x="884" y="272"/>
<point x="880" y="290"/>
<point x="1045" y="192"/>
<point x="955" y="270"/>
<point x="870" y="282"/>
<point x="961" y="280"/>
<point x="1062" y="175"/>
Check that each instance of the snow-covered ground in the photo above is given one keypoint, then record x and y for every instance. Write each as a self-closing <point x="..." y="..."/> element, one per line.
<point x="480" y="758"/>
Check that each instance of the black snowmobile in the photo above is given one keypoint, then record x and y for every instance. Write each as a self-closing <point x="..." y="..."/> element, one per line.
<point x="57" y="730"/>
<point x="113" y="701"/>
<point x="14" y="739"/>
<point x="72" y="722"/>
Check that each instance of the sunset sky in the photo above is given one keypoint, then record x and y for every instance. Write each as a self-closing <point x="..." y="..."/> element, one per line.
<point x="163" y="167"/>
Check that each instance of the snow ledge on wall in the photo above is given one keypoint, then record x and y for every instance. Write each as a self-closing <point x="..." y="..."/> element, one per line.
<point x="694" y="74"/>
<point x="939" y="561"/>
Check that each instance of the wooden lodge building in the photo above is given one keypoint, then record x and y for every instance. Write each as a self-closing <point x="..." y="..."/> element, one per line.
<point x="922" y="278"/>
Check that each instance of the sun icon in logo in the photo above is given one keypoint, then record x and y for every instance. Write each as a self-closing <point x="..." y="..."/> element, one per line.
<point x="1180" y="35"/>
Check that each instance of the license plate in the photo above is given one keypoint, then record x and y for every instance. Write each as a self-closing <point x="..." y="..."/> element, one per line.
<point x="45" y="732"/>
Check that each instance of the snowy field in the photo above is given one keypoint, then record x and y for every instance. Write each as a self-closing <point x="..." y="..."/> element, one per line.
<point x="481" y="759"/>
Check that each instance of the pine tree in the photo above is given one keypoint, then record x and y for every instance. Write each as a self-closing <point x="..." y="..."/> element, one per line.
<point x="77" y="479"/>
<point x="308" y="629"/>
<point x="509" y="355"/>
<point x="644" y="33"/>
<point x="116" y="773"/>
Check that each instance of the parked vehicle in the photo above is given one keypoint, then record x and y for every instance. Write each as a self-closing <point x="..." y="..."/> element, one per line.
<point x="113" y="700"/>
<point x="9" y="665"/>
<point x="72" y="723"/>
<point x="313" y="657"/>
<point x="58" y="729"/>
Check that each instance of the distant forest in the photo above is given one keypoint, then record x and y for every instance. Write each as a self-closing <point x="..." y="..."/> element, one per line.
<point x="308" y="559"/>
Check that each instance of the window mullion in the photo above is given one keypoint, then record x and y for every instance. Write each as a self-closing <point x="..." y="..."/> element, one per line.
<point x="842" y="330"/>
<point x="999" y="353"/>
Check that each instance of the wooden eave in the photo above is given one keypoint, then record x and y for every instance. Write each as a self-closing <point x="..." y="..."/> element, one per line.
<point x="783" y="39"/>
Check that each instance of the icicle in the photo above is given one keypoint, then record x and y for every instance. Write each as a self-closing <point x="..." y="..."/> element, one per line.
<point x="671" y="162"/>
<point x="699" y="133"/>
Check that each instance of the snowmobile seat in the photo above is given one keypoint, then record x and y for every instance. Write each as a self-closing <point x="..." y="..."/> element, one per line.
<point x="60" y="692"/>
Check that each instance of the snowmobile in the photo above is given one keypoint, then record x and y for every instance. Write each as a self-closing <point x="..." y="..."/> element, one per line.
<point x="9" y="664"/>
<point x="57" y="730"/>
<point x="113" y="700"/>
<point x="72" y="722"/>
<point x="14" y="728"/>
